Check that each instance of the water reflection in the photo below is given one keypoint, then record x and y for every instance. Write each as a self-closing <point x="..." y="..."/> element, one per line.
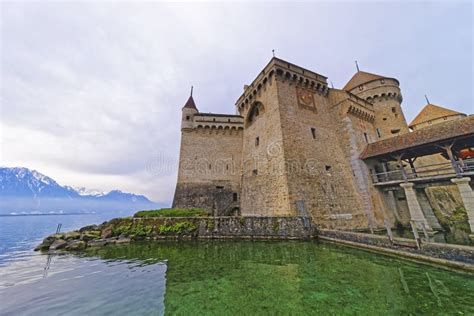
<point x="237" y="277"/>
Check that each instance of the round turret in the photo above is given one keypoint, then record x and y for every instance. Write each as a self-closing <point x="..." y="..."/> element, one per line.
<point x="188" y="112"/>
<point x="384" y="93"/>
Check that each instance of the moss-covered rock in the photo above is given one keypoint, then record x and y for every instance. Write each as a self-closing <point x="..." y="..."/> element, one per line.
<point x="58" y="244"/>
<point x="72" y="235"/>
<point x="90" y="235"/>
<point x="76" y="245"/>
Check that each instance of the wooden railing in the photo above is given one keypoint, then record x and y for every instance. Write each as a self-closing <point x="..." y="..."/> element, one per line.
<point x="444" y="169"/>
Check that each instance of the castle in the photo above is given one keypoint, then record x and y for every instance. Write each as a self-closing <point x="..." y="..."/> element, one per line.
<point x="297" y="147"/>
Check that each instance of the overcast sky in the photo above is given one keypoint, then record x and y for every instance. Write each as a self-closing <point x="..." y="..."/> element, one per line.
<point x="91" y="93"/>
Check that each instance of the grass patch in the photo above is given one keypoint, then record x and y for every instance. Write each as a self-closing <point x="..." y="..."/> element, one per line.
<point x="173" y="212"/>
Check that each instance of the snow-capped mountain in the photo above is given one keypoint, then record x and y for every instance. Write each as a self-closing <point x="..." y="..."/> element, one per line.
<point x="85" y="191"/>
<point x="25" y="190"/>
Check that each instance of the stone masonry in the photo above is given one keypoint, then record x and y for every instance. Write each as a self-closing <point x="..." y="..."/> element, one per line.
<point x="293" y="149"/>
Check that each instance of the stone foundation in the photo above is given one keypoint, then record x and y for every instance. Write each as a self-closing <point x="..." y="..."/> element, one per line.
<point x="456" y="256"/>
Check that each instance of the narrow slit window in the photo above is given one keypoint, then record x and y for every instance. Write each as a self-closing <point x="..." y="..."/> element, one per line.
<point x="378" y="133"/>
<point x="366" y="138"/>
<point x="313" y="132"/>
<point x="257" y="141"/>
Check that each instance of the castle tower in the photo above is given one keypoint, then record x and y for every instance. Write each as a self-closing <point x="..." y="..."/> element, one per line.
<point x="188" y="112"/>
<point x="293" y="163"/>
<point x="384" y="93"/>
<point x="210" y="161"/>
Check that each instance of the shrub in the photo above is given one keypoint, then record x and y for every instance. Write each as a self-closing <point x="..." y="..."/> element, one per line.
<point x="178" y="228"/>
<point x="173" y="212"/>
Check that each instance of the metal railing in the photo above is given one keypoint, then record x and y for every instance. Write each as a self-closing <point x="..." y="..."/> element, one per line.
<point x="420" y="172"/>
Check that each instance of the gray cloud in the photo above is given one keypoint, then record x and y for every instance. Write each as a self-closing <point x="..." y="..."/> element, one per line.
<point x="91" y="93"/>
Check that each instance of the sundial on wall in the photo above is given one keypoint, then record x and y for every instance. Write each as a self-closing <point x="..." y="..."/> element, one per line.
<point x="305" y="97"/>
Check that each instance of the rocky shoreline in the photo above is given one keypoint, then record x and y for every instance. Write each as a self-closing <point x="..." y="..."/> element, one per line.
<point x="126" y="230"/>
<point x="89" y="236"/>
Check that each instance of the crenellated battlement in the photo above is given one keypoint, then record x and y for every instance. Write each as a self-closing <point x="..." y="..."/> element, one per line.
<point x="214" y="123"/>
<point x="278" y="69"/>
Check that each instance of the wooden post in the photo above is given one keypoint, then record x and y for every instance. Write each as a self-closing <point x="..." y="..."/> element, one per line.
<point x="412" y="166"/>
<point x="384" y="169"/>
<point x="402" y="168"/>
<point x="454" y="163"/>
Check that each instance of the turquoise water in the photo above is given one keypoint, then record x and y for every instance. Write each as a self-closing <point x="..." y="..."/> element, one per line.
<point x="230" y="278"/>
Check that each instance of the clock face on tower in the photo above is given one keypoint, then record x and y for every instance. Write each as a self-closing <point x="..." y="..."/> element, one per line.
<point x="305" y="97"/>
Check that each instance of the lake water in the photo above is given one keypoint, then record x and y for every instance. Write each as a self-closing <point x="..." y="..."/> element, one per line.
<point x="215" y="278"/>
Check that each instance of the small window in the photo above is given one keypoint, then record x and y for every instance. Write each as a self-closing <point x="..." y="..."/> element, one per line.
<point x="313" y="132"/>
<point x="378" y="133"/>
<point x="228" y="120"/>
<point x="328" y="168"/>
<point x="394" y="110"/>
<point x="257" y="141"/>
<point x="445" y="118"/>
<point x="361" y="88"/>
<point x="384" y="119"/>
<point x="227" y="167"/>
<point x="210" y="166"/>
<point x="382" y="81"/>
<point x="255" y="172"/>
<point x="366" y="138"/>
<point x="219" y="188"/>
<point x="187" y="118"/>
<point x="234" y="197"/>
<point x="213" y="120"/>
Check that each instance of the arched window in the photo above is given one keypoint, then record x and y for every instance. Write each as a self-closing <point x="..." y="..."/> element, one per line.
<point x="256" y="110"/>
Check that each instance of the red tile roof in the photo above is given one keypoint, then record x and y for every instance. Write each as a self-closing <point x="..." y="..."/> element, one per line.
<point x="190" y="104"/>
<point x="435" y="133"/>
<point x="359" y="78"/>
<point x="432" y="112"/>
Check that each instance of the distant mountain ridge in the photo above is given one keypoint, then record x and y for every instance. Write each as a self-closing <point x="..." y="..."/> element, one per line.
<point x="28" y="191"/>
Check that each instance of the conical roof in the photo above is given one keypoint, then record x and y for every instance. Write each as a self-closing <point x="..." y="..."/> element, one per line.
<point x="190" y="104"/>
<point x="432" y="112"/>
<point x="359" y="78"/>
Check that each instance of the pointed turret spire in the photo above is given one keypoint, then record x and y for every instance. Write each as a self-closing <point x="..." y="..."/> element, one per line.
<point x="190" y="103"/>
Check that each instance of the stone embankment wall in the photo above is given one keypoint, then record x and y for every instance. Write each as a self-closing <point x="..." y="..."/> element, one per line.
<point x="125" y="230"/>
<point x="220" y="227"/>
<point x="438" y="253"/>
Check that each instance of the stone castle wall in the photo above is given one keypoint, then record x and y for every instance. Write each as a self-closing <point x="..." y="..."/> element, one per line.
<point x="264" y="182"/>
<point x="210" y="170"/>
<point x="319" y="177"/>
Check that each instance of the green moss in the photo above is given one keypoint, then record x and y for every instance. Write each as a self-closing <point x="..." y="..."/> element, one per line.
<point x="141" y="230"/>
<point x="178" y="228"/>
<point x="210" y="224"/>
<point x="121" y="230"/>
<point x="173" y="212"/>
<point x="90" y="235"/>
<point x="276" y="226"/>
<point x="443" y="221"/>
<point x="459" y="215"/>
<point x="135" y="230"/>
